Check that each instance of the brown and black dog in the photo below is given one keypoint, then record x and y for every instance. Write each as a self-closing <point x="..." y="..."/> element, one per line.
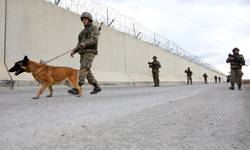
<point x="48" y="75"/>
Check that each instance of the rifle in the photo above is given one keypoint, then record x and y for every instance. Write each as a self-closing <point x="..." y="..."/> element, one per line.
<point x="154" y="65"/>
<point x="237" y="60"/>
<point x="100" y="26"/>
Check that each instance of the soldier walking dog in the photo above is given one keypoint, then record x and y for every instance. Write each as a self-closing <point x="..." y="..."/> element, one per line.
<point x="87" y="48"/>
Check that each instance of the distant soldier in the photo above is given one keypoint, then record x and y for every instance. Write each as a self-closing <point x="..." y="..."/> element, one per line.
<point x="189" y="75"/>
<point x="205" y="77"/>
<point x="219" y="79"/>
<point x="236" y="68"/>
<point x="215" y="78"/>
<point x="155" y="65"/>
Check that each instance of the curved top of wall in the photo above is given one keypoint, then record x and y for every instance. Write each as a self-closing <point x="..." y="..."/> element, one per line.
<point x="114" y="19"/>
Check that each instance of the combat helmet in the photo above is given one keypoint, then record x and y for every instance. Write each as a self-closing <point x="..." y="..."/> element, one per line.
<point x="154" y="57"/>
<point x="236" y="49"/>
<point x="86" y="15"/>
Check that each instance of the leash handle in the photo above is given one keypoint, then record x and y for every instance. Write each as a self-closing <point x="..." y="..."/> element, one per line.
<point x="46" y="62"/>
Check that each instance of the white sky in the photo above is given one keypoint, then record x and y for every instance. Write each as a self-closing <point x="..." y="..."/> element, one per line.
<point x="209" y="29"/>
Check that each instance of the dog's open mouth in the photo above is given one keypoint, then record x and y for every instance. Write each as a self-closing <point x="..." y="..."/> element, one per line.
<point x="17" y="72"/>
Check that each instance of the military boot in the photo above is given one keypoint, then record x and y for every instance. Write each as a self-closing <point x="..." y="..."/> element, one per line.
<point x="155" y="84"/>
<point x="96" y="89"/>
<point x="239" y="87"/>
<point x="74" y="91"/>
<point x="158" y="83"/>
<point x="232" y="87"/>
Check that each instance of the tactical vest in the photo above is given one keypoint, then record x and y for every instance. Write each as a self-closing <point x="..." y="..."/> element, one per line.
<point x="189" y="73"/>
<point x="85" y="35"/>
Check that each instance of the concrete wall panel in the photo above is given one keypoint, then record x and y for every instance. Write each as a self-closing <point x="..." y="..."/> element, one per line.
<point x="136" y="59"/>
<point x="3" y="71"/>
<point x="2" y="29"/>
<point x="40" y="30"/>
<point x="110" y="51"/>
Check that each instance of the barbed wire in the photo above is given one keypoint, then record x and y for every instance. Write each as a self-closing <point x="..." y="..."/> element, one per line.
<point x="114" y="19"/>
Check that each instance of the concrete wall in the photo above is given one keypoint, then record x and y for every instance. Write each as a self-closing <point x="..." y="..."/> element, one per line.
<point x="41" y="30"/>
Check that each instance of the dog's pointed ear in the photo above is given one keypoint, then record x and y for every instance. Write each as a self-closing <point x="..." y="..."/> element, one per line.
<point x="25" y="60"/>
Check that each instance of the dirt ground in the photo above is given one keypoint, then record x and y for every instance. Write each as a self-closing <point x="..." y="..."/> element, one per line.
<point x="182" y="117"/>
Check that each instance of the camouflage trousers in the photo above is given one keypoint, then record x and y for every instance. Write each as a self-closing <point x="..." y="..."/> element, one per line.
<point x="205" y="80"/>
<point x="215" y="80"/>
<point x="156" y="77"/>
<point x="86" y="62"/>
<point x="189" y="78"/>
<point x="236" y="75"/>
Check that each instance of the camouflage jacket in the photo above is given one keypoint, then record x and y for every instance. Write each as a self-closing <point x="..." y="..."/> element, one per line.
<point x="188" y="72"/>
<point x="154" y="67"/>
<point x="89" y="35"/>
<point x="233" y="64"/>
<point x="205" y="76"/>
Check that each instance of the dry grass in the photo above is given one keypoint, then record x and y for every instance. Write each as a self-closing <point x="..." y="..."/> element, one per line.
<point x="246" y="81"/>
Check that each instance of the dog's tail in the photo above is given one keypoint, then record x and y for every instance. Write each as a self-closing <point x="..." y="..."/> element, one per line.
<point x="82" y="71"/>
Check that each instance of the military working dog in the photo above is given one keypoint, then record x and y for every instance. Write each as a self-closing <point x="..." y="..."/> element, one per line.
<point x="48" y="75"/>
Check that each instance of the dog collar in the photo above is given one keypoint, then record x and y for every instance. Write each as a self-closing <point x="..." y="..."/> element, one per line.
<point x="41" y="62"/>
<point x="35" y="68"/>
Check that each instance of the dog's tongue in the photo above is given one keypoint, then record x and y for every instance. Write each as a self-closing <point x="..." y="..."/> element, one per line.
<point x="16" y="72"/>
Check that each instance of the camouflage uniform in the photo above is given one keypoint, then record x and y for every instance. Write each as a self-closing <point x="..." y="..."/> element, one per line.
<point x="215" y="78"/>
<point x="236" y="70"/>
<point x="155" y="71"/>
<point x="189" y="75"/>
<point x="205" y="77"/>
<point x="219" y="79"/>
<point x="236" y="79"/>
<point x="90" y="36"/>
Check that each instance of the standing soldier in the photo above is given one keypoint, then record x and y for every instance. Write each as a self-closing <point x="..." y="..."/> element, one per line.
<point x="189" y="75"/>
<point x="215" y="78"/>
<point x="205" y="77"/>
<point x="87" y="49"/>
<point x="155" y="65"/>
<point x="219" y="79"/>
<point x="236" y="68"/>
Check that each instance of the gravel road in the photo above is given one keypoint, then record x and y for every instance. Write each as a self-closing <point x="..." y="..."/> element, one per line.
<point x="181" y="117"/>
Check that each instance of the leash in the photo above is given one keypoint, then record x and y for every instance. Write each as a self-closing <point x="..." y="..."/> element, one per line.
<point x="46" y="62"/>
